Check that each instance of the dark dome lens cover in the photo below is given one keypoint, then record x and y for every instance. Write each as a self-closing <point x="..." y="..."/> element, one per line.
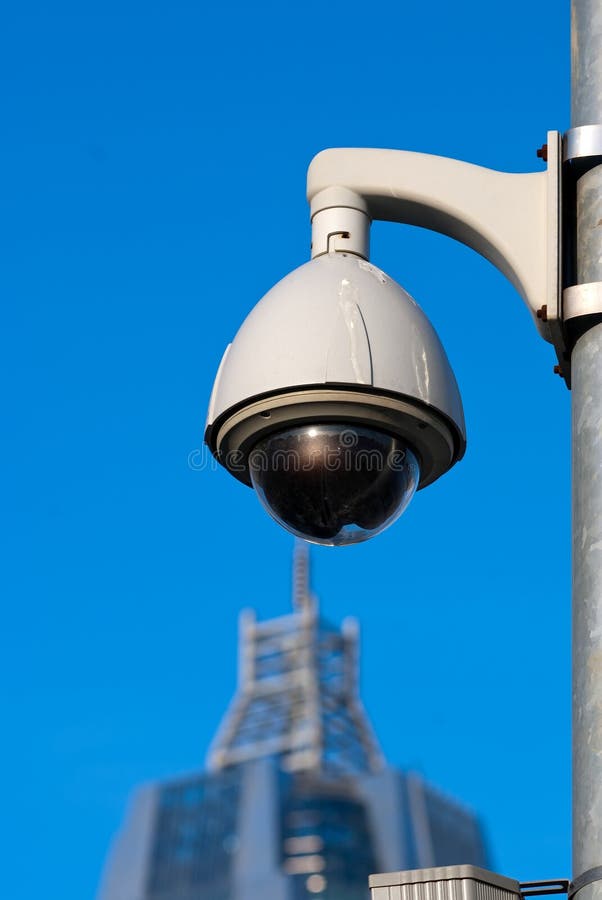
<point x="333" y="484"/>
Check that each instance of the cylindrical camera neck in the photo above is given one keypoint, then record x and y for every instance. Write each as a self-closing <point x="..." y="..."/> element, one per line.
<point x="340" y="229"/>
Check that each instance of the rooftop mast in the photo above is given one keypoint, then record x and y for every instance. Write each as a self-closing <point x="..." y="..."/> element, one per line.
<point x="297" y="694"/>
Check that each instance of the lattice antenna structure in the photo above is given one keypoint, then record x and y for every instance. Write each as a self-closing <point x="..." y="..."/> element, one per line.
<point x="297" y="695"/>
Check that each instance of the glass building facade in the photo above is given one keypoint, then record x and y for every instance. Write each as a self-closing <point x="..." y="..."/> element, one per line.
<point x="327" y="845"/>
<point x="194" y="837"/>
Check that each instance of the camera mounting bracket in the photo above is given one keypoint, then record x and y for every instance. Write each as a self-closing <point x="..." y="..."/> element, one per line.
<point x="511" y="219"/>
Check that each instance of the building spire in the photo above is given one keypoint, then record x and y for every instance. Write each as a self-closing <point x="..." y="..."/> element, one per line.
<point x="303" y="599"/>
<point x="298" y="695"/>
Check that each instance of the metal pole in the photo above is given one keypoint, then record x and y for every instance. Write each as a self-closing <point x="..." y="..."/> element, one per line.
<point x="586" y="363"/>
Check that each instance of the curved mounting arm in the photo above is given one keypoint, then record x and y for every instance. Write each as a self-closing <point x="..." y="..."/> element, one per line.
<point x="511" y="219"/>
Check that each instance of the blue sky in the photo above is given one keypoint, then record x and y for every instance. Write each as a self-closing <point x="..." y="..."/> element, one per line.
<point x="154" y="162"/>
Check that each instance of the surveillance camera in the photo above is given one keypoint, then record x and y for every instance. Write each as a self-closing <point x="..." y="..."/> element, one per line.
<point x="336" y="401"/>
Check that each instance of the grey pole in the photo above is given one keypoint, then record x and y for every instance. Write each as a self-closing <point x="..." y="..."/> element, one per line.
<point x="586" y="362"/>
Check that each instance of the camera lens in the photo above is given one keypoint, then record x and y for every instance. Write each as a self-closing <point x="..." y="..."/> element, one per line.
<point x="333" y="483"/>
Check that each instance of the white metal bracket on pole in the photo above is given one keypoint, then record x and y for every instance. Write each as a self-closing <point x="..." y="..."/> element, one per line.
<point x="513" y="220"/>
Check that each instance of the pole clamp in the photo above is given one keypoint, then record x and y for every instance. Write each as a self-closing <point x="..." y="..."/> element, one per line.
<point x="560" y="885"/>
<point x="580" y="304"/>
<point x="581" y="309"/>
<point x="582" y="300"/>
<point x="590" y="876"/>
<point x="582" y="147"/>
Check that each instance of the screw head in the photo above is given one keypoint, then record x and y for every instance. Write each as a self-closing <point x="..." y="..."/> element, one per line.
<point x="542" y="152"/>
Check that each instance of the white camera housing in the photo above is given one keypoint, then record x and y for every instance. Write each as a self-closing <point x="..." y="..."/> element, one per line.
<point x="337" y="340"/>
<point x="337" y="355"/>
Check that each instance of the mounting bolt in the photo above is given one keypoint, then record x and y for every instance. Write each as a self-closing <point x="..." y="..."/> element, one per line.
<point x="542" y="313"/>
<point x="558" y="370"/>
<point x="542" y="153"/>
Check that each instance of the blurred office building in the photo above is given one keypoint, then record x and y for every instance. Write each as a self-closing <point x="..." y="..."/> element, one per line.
<point x="297" y="800"/>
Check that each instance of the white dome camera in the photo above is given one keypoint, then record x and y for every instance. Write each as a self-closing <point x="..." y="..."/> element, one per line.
<point x="336" y="401"/>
